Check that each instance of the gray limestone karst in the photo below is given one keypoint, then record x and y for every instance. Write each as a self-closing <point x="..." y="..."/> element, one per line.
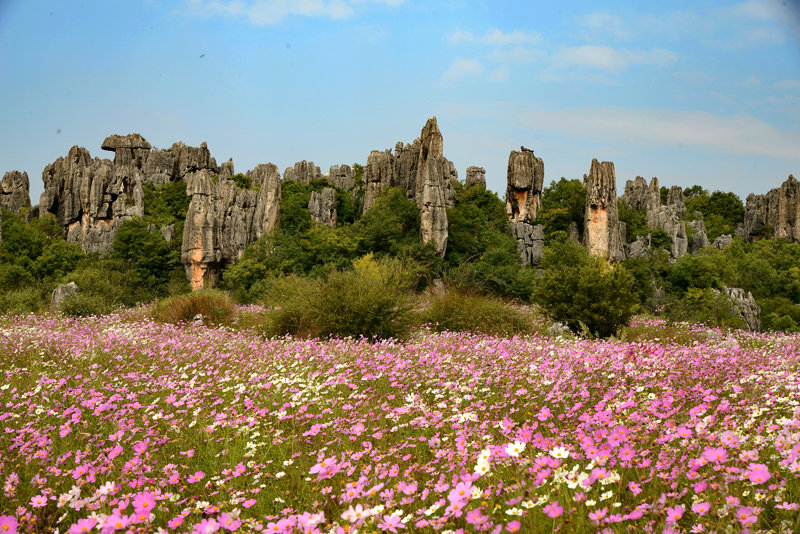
<point x="603" y="235"/>
<point x="223" y="219"/>
<point x="433" y="178"/>
<point x="700" y="239"/>
<point x="226" y="169"/>
<point x="168" y="232"/>
<point x="775" y="214"/>
<point x="475" y="176"/>
<point x="302" y="172"/>
<point x="745" y="305"/>
<point x="525" y="179"/>
<point x="639" y="247"/>
<point x="14" y="189"/>
<point x="530" y="242"/>
<point x="722" y="241"/>
<point x="341" y="176"/>
<point x="640" y="196"/>
<point x="322" y="206"/>
<point x="668" y="218"/>
<point x="62" y="293"/>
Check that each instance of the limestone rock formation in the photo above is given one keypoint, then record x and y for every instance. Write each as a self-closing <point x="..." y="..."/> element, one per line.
<point x="745" y="305"/>
<point x="675" y="198"/>
<point x="62" y="293"/>
<point x="700" y="239"/>
<point x="341" y="176"/>
<point x="639" y="248"/>
<point x="525" y="178"/>
<point x="323" y="206"/>
<point x="778" y="211"/>
<point x="14" y="189"/>
<point x="722" y="241"/>
<point x="475" y="176"/>
<point x="302" y="172"/>
<point x="640" y="196"/>
<point x="602" y="231"/>
<point x="168" y="232"/>
<point x="130" y="149"/>
<point x="668" y="218"/>
<point x="223" y="219"/>
<point x="530" y="242"/>
<point x="433" y="178"/>
<point x="226" y="169"/>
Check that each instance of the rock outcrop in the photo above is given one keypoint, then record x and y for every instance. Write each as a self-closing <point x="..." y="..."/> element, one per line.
<point x="341" y="176"/>
<point x="62" y="293"/>
<point x="433" y="179"/>
<point x="722" y="241"/>
<point x="223" y="219"/>
<point x="668" y="218"/>
<point x="302" y="172"/>
<point x="776" y="213"/>
<point x="700" y="239"/>
<point x="603" y="234"/>
<point x="640" y="196"/>
<point x="323" y="206"/>
<point x="475" y="176"/>
<point x="745" y="305"/>
<point x="530" y="242"/>
<point x="525" y="178"/>
<point x="14" y="189"/>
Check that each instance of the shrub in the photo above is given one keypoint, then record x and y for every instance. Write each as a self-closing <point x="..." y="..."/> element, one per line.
<point x="373" y="299"/>
<point x="111" y="281"/>
<point x="85" y="304"/>
<point x="580" y="290"/>
<point x="215" y="306"/>
<point x="704" y="305"/>
<point x="458" y="312"/>
<point x="29" y="299"/>
<point x="389" y="225"/>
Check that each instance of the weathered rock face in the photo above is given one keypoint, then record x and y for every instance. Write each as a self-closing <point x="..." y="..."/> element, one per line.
<point x="722" y="241"/>
<point x="668" y="217"/>
<point x="341" y="176"/>
<point x="323" y="206"/>
<point x="525" y="178"/>
<point x="779" y="208"/>
<point x="745" y="305"/>
<point x="602" y="231"/>
<point x="223" y="219"/>
<point x="475" y="176"/>
<point x="530" y="242"/>
<point x="302" y="172"/>
<point x="640" y="196"/>
<point x="14" y="189"/>
<point x="128" y="150"/>
<point x="226" y="169"/>
<point x="639" y="248"/>
<point x="700" y="239"/>
<point x="62" y="293"/>
<point x="433" y="178"/>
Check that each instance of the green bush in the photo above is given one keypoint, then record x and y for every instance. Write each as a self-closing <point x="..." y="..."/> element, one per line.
<point x="635" y="220"/>
<point x="146" y="252"/>
<point x="373" y="299"/>
<point x="392" y="223"/>
<point x="111" y="281"/>
<point x="580" y="290"/>
<point x="563" y="203"/>
<point x="215" y="306"/>
<point x="85" y="304"/>
<point x="459" y="312"/>
<point x="27" y="299"/>
<point x="166" y="204"/>
<point x="703" y="305"/>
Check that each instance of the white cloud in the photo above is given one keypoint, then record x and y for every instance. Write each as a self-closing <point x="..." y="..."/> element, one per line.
<point x="757" y="9"/>
<point x="610" y="59"/>
<point x="605" y="23"/>
<point x="266" y="12"/>
<point x="751" y="81"/>
<point x="500" y="74"/>
<point x="518" y="54"/>
<point x="736" y="134"/>
<point x="495" y="37"/>
<point x="788" y="85"/>
<point x="461" y="68"/>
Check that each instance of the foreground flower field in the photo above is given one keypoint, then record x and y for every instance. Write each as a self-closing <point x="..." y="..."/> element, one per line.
<point x="111" y="424"/>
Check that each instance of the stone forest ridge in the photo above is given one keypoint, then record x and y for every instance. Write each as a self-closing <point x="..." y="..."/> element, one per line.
<point x="92" y="197"/>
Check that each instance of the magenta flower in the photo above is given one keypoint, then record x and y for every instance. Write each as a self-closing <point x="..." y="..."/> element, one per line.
<point x="758" y="473"/>
<point x="144" y="502"/>
<point x="513" y="526"/>
<point x="38" y="501"/>
<point x="391" y="523"/>
<point x="701" y="508"/>
<point x="553" y="509"/>
<point x="83" y="525"/>
<point x="195" y="477"/>
<point x="206" y="526"/>
<point x="746" y="516"/>
<point x="8" y="524"/>
<point x="248" y="503"/>
<point x="674" y="513"/>
<point x="229" y="523"/>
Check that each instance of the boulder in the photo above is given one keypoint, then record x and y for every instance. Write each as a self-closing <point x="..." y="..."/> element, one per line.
<point x="530" y="242"/>
<point x="700" y="239"/>
<point x="322" y="206"/>
<point x="640" y="196"/>
<point x="168" y="232"/>
<point x="14" y="195"/>
<point x="475" y="176"/>
<point x="777" y="213"/>
<point x="745" y="305"/>
<point x="62" y="293"/>
<point x="525" y="178"/>
<point x="602" y="232"/>
<point x="675" y="198"/>
<point x="722" y="241"/>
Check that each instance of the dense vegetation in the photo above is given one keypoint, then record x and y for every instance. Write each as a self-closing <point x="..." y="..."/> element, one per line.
<point x="323" y="278"/>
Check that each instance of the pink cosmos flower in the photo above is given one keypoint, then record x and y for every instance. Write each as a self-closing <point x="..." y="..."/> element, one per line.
<point x="758" y="473"/>
<point x="553" y="509"/>
<point x="116" y="521"/>
<point x="8" y="524"/>
<point x="196" y="477"/>
<point x="175" y="522"/>
<point x="38" y="501"/>
<point x="206" y="526"/>
<point x="746" y="516"/>
<point x="635" y="488"/>
<point x="674" y="513"/>
<point x="598" y="515"/>
<point x="391" y="523"/>
<point x="701" y="508"/>
<point x="715" y="454"/>
<point x="248" y="503"/>
<point x="513" y="526"/>
<point x="144" y="502"/>
<point x="229" y="523"/>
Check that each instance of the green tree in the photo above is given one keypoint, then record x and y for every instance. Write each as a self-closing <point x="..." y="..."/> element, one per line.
<point x="563" y="202"/>
<point x="576" y="288"/>
<point x="146" y="252"/>
<point x="392" y="223"/>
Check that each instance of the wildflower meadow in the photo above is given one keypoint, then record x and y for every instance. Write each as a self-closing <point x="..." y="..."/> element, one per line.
<point x="118" y="424"/>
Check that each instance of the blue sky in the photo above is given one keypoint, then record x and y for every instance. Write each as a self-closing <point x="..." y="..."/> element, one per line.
<point x="693" y="92"/>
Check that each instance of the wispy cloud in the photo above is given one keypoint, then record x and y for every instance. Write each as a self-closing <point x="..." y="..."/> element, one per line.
<point x="460" y="69"/>
<point x="764" y="10"/>
<point x="518" y="54"/>
<point x="610" y="59"/>
<point x="495" y="37"/>
<point x="737" y="134"/>
<point x="267" y="12"/>
<point x="788" y="85"/>
<point x="606" y="24"/>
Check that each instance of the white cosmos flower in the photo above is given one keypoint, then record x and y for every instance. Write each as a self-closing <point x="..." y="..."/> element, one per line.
<point x="560" y="452"/>
<point x="515" y="449"/>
